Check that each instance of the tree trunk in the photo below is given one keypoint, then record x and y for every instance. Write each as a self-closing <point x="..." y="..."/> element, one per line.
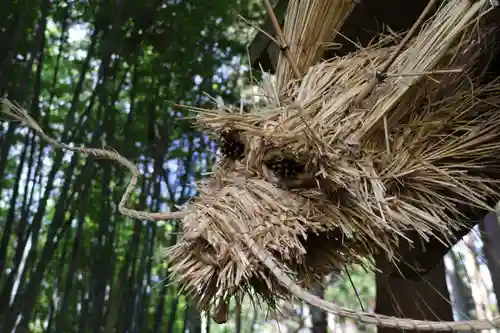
<point x="192" y="320"/>
<point x="238" y="314"/>
<point x="490" y="232"/>
<point x="9" y="221"/>
<point x="319" y="318"/>
<point x="461" y="293"/>
<point x="479" y="292"/>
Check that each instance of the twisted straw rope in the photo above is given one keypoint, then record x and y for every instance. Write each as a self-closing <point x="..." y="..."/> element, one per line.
<point x="16" y="112"/>
<point x="364" y="317"/>
<point x="241" y="232"/>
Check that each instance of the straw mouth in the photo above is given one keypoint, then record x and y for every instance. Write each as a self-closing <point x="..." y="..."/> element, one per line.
<point x="287" y="222"/>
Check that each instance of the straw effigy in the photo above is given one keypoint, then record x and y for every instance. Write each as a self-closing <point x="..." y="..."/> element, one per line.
<point x="340" y="164"/>
<point x="322" y="180"/>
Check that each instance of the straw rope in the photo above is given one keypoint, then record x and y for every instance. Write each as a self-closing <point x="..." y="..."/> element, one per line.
<point x="363" y="317"/>
<point x="16" y="112"/>
<point x="239" y="231"/>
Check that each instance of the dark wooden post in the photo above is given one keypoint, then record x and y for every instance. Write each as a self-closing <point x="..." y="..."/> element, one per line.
<point x="427" y="298"/>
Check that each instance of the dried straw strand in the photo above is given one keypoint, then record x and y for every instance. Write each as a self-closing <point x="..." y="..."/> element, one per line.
<point x="433" y="43"/>
<point x="282" y="43"/>
<point x="380" y="75"/>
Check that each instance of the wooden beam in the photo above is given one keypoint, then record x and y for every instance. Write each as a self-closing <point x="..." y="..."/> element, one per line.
<point x="371" y="17"/>
<point x="421" y="257"/>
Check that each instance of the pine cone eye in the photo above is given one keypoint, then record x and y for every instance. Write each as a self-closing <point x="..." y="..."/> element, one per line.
<point x="232" y="145"/>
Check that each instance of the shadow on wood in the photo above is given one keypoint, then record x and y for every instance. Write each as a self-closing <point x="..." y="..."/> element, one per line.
<point x="427" y="298"/>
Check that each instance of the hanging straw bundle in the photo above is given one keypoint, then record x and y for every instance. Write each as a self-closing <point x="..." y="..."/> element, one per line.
<point x="342" y="168"/>
<point x="310" y="28"/>
<point x="339" y="166"/>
